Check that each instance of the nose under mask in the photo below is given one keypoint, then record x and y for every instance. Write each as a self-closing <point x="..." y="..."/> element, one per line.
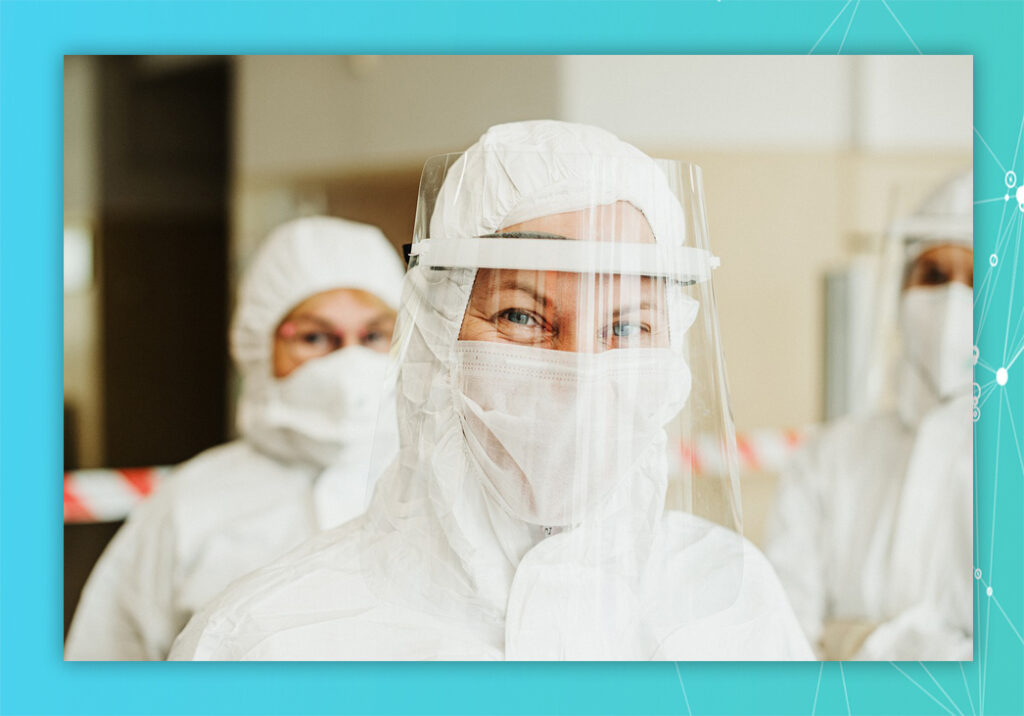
<point x="323" y="408"/>
<point x="555" y="432"/>
<point x="937" y="324"/>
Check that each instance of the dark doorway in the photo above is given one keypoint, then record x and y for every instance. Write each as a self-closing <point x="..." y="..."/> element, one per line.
<point x="161" y="263"/>
<point x="163" y="252"/>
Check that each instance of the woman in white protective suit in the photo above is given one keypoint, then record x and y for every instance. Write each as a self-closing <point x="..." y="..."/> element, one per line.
<point x="549" y="342"/>
<point x="310" y="336"/>
<point x="872" y="531"/>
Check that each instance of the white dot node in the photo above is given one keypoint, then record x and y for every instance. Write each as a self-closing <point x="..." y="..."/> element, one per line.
<point x="977" y="574"/>
<point x="975" y="414"/>
<point x="1011" y="178"/>
<point x="1002" y="376"/>
<point x="975" y="353"/>
<point x="1020" y="195"/>
<point x="993" y="260"/>
<point x="1006" y="197"/>
<point x="989" y="591"/>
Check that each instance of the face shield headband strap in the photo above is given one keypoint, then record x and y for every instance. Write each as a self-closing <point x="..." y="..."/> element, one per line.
<point x="681" y="263"/>
<point x="934" y="230"/>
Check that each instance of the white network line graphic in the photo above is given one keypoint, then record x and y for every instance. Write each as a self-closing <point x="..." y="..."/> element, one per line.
<point x="683" y="689"/>
<point x="1006" y="249"/>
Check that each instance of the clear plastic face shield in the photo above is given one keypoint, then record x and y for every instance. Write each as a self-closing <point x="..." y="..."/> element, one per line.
<point x="561" y="388"/>
<point x="587" y="355"/>
<point x="922" y="343"/>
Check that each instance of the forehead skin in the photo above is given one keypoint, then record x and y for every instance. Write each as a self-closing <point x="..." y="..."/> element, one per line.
<point x="341" y="308"/>
<point x="620" y="221"/>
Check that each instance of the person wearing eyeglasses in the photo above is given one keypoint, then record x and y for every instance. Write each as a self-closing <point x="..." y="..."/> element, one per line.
<point x="310" y="337"/>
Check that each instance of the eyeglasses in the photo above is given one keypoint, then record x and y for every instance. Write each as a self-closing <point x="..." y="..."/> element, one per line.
<point x="305" y="339"/>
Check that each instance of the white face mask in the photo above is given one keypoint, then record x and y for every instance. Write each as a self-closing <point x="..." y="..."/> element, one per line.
<point x="324" y="407"/>
<point x="554" y="432"/>
<point x="937" y="324"/>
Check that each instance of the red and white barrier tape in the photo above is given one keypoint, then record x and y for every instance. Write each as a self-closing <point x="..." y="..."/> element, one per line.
<point x="106" y="495"/>
<point x="757" y="450"/>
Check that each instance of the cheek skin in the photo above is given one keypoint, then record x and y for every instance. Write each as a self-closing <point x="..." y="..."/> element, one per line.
<point x="283" y="363"/>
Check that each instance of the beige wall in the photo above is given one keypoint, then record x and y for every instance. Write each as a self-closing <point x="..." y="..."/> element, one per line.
<point x="313" y="115"/>
<point x="714" y="102"/>
<point x="302" y="120"/>
<point x="779" y="221"/>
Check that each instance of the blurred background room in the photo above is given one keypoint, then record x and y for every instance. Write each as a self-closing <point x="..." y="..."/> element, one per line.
<point x="176" y="167"/>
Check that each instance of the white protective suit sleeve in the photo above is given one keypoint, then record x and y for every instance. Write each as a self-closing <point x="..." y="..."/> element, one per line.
<point x="794" y="543"/>
<point x="127" y="609"/>
<point x="219" y="516"/>
<point x="935" y="618"/>
<point x="856" y="542"/>
<point x="922" y="632"/>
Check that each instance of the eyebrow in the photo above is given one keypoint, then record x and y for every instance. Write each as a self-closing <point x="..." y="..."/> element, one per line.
<point x="524" y="235"/>
<point x="513" y="284"/>
<point x="642" y="306"/>
<point x="379" y="319"/>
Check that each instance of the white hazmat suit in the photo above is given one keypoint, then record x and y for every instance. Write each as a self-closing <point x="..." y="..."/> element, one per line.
<point x="487" y="539"/>
<point x="301" y="465"/>
<point x="872" y="530"/>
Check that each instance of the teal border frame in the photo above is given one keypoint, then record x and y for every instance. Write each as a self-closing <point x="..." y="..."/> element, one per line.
<point x="34" y="36"/>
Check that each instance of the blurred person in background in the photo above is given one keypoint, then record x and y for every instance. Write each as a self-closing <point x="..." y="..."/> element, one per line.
<point x="872" y="530"/>
<point x="554" y="330"/>
<point x="311" y="335"/>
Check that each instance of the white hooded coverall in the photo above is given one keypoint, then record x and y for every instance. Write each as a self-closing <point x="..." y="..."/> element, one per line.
<point x="439" y="569"/>
<point x="237" y="506"/>
<point x="872" y="531"/>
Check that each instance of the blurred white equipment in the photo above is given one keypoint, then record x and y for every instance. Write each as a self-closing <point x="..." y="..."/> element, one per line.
<point x="302" y="465"/>
<point x="557" y="336"/>
<point x="873" y="524"/>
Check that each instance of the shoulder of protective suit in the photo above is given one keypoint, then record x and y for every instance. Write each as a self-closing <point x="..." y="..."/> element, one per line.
<point x="232" y="466"/>
<point x="713" y="548"/>
<point x="217" y="462"/>
<point x="322" y="575"/>
<point x="681" y="531"/>
<point x="740" y="607"/>
<point x="225" y="484"/>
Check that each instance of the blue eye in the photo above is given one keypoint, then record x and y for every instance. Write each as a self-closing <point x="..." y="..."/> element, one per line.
<point x="519" y="318"/>
<point x="626" y="330"/>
